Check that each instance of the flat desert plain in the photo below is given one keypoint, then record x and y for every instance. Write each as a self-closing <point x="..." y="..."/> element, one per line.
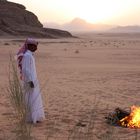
<point x="82" y="79"/>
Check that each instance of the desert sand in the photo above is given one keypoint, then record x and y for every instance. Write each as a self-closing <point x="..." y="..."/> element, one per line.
<point x="82" y="80"/>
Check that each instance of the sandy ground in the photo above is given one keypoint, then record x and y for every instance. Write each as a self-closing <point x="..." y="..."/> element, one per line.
<point x="82" y="80"/>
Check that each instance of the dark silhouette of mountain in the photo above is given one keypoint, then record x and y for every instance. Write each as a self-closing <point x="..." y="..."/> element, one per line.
<point x="15" y="20"/>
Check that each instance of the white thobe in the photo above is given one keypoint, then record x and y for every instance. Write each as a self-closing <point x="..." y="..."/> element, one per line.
<point x="33" y="98"/>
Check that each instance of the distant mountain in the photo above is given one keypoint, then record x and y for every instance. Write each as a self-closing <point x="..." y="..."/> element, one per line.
<point x="134" y="28"/>
<point x="79" y="24"/>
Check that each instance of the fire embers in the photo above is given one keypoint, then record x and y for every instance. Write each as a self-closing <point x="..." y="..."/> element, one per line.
<point x="114" y="117"/>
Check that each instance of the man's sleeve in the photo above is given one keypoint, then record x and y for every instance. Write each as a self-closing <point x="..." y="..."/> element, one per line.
<point x="27" y="68"/>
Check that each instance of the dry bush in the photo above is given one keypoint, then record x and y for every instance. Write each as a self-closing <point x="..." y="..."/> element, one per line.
<point x="16" y="95"/>
<point x="76" y="51"/>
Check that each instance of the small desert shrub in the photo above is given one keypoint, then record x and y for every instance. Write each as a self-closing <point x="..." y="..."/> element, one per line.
<point x="6" y="44"/>
<point x="76" y="51"/>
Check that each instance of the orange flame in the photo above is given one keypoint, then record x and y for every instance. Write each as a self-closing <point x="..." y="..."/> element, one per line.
<point x="133" y="120"/>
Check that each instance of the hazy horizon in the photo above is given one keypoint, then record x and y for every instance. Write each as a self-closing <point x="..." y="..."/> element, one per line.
<point x="111" y="12"/>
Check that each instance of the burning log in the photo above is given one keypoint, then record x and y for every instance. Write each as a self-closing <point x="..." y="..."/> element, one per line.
<point x="126" y="119"/>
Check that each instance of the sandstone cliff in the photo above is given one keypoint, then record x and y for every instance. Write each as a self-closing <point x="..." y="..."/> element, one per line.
<point x="17" y="21"/>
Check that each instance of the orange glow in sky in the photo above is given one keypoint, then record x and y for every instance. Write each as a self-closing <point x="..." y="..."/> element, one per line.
<point x="117" y="12"/>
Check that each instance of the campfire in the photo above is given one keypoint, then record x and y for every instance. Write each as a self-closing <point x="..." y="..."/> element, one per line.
<point x="124" y="118"/>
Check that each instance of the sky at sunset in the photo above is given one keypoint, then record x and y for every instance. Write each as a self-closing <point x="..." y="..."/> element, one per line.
<point x="113" y="12"/>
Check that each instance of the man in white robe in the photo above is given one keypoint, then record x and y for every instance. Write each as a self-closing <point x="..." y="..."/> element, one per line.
<point x="28" y="75"/>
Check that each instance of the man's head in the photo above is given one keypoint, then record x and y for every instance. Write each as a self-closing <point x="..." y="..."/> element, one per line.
<point x="32" y="47"/>
<point x="31" y="44"/>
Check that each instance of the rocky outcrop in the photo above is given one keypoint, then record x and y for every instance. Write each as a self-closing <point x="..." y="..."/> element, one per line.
<point x="16" y="20"/>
